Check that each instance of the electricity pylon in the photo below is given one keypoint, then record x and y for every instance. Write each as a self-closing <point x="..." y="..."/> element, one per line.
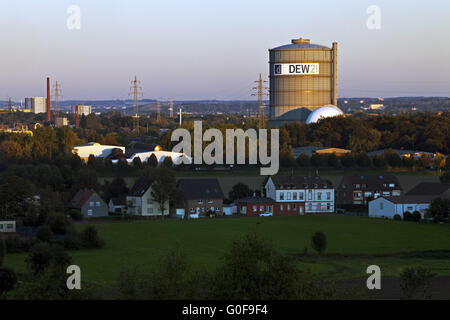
<point x="260" y="88"/>
<point x="136" y="92"/>
<point x="57" y="94"/>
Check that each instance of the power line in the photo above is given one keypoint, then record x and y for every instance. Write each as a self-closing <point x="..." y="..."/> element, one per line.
<point x="260" y="95"/>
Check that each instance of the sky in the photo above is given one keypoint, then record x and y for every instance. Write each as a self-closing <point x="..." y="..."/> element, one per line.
<point x="215" y="49"/>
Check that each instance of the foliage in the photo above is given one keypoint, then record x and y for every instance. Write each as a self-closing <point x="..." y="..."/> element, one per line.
<point x="319" y="242"/>
<point x="238" y="191"/>
<point x="163" y="187"/>
<point x="407" y="216"/>
<point x="152" y="161"/>
<point x="439" y="209"/>
<point x="416" y="216"/>
<point x="2" y="250"/>
<point x="76" y="215"/>
<point x="397" y="217"/>
<point x="415" y="282"/>
<point x="445" y="177"/>
<point x="43" y="255"/>
<point x="91" y="239"/>
<point x="45" y="234"/>
<point x="8" y="279"/>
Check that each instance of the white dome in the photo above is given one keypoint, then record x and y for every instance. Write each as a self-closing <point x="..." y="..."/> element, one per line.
<point x="323" y="112"/>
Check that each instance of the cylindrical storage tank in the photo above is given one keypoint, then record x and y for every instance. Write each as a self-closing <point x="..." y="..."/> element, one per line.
<point x="302" y="79"/>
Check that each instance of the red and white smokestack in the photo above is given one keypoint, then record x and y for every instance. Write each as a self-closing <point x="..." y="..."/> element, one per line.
<point x="49" y="117"/>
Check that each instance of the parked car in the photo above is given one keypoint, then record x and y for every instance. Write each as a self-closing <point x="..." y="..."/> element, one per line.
<point x="266" y="214"/>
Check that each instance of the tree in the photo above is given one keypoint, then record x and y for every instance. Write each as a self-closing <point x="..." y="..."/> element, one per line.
<point x="254" y="270"/>
<point x="439" y="161"/>
<point x="168" y="163"/>
<point x="8" y="279"/>
<point x="319" y="242"/>
<point x="91" y="239"/>
<point x="348" y="160"/>
<point x="363" y="160"/>
<point x="137" y="163"/>
<point x="439" y="209"/>
<point x="2" y="250"/>
<point x="392" y="158"/>
<point x="163" y="187"/>
<point x="152" y="161"/>
<point x="10" y="151"/>
<point x="15" y="196"/>
<point x="424" y="161"/>
<point x="316" y="160"/>
<point x="45" y="234"/>
<point x="416" y="216"/>
<point x="92" y="161"/>
<point x="238" y="191"/>
<point x="379" y="161"/>
<point x="333" y="160"/>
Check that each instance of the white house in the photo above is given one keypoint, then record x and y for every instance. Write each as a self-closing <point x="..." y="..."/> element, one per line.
<point x="387" y="207"/>
<point x="140" y="201"/>
<point x="7" y="226"/>
<point x="307" y="194"/>
<point x="160" y="156"/>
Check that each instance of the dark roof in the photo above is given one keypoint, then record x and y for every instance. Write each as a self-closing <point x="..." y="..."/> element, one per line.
<point x="373" y="181"/>
<point x="255" y="200"/>
<point x="201" y="188"/>
<point x="300" y="182"/>
<point x="118" y="201"/>
<point x="410" y="199"/>
<point x="429" y="188"/>
<point x="80" y="198"/>
<point x="140" y="187"/>
<point x="294" y="46"/>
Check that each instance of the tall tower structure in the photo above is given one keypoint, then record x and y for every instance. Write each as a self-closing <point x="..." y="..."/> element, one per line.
<point x="260" y="93"/>
<point x="171" y="108"/>
<point x="57" y="94"/>
<point x="136" y="92"/>
<point x="158" y="112"/>
<point x="49" y="116"/>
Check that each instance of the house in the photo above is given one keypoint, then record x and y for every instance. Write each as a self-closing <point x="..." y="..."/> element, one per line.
<point x="436" y="189"/>
<point x="117" y="205"/>
<point x="201" y="197"/>
<point x="387" y="207"/>
<point x="160" y="156"/>
<point x="7" y="226"/>
<point x="89" y="203"/>
<point x="254" y="206"/>
<point x="300" y="194"/>
<point x="361" y="188"/>
<point x="141" y="202"/>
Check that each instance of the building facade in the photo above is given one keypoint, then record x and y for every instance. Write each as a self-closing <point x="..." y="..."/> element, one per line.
<point x="388" y="207"/>
<point x="95" y="149"/>
<point x="300" y="194"/>
<point x="360" y="189"/>
<point x="201" y="197"/>
<point x="89" y="203"/>
<point x="140" y="201"/>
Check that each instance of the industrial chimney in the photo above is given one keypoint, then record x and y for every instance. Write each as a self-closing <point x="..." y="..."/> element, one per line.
<point x="49" y="117"/>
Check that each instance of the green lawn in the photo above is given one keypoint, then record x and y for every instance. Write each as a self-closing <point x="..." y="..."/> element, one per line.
<point x="353" y="244"/>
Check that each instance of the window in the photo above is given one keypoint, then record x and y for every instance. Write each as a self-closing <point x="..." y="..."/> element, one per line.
<point x="288" y="207"/>
<point x="294" y="196"/>
<point x="149" y="210"/>
<point x="1" y="226"/>
<point x="281" y="195"/>
<point x="210" y="201"/>
<point x="409" y="208"/>
<point x="386" y="193"/>
<point x="300" y="195"/>
<point x="328" y="195"/>
<point x="217" y="209"/>
<point x="89" y="212"/>
<point x="309" y="195"/>
<point x="381" y="205"/>
<point x="328" y="206"/>
<point x="254" y="209"/>
<point x="289" y="196"/>
<point x="310" y="206"/>
<point x="97" y="204"/>
<point x="244" y="209"/>
<point x="149" y="201"/>
<point x="395" y="192"/>
<point x="200" y="201"/>
<point x="261" y="208"/>
<point x="319" y="196"/>
<point x="91" y="204"/>
<point x="391" y="185"/>
<point x="191" y="210"/>
<point x="281" y="207"/>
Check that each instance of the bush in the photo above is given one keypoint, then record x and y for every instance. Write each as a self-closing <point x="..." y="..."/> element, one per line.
<point x="15" y="244"/>
<point x="407" y="216"/>
<point x="42" y="255"/>
<point x="415" y="282"/>
<point x="397" y="217"/>
<point x="416" y="216"/>
<point x="73" y="241"/>
<point x="8" y="279"/>
<point x="319" y="242"/>
<point x="76" y="215"/>
<point x="58" y="223"/>
<point x="90" y="238"/>
<point x="45" y="234"/>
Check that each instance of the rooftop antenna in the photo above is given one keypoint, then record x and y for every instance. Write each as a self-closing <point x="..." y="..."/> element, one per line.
<point x="136" y="92"/>
<point x="260" y="95"/>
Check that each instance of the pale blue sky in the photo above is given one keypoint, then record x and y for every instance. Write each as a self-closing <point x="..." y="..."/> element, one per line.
<point x="206" y="49"/>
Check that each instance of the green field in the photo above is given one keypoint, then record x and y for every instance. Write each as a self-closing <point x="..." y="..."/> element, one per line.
<point x="353" y="244"/>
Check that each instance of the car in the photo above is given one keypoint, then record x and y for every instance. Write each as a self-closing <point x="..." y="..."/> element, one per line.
<point x="266" y="214"/>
